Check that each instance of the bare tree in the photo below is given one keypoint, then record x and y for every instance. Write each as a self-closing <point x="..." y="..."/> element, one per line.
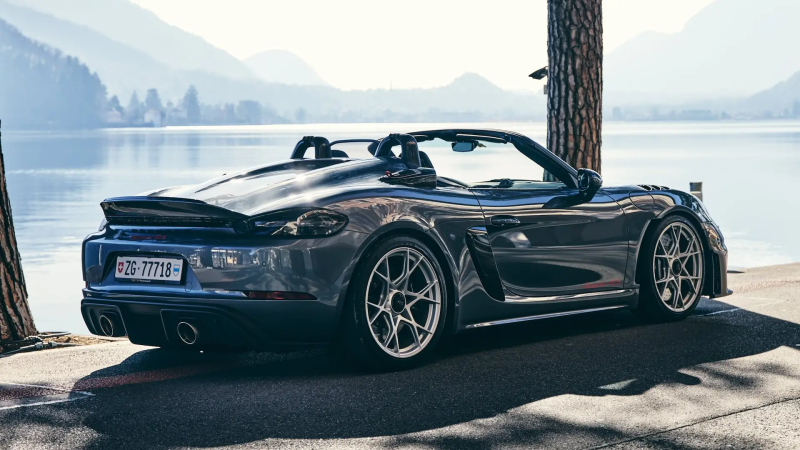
<point x="16" y="321"/>
<point x="575" y="81"/>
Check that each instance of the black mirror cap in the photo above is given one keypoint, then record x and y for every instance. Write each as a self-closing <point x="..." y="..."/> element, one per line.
<point x="464" y="146"/>
<point x="589" y="181"/>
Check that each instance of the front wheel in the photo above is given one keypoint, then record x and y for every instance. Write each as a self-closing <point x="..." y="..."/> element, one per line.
<point x="671" y="265"/>
<point x="397" y="305"/>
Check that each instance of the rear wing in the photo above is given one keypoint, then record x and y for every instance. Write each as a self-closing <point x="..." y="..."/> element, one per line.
<point x="167" y="211"/>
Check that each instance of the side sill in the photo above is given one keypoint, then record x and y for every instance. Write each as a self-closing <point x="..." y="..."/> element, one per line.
<point x="518" y="299"/>
<point x="544" y="316"/>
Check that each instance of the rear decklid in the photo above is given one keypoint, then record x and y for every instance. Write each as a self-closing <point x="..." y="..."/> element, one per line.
<point x="167" y="211"/>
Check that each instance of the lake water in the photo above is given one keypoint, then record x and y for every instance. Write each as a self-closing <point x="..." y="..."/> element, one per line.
<point x="57" y="180"/>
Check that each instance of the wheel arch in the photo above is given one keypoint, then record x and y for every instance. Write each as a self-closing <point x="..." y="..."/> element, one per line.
<point x="415" y="230"/>
<point x="690" y="216"/>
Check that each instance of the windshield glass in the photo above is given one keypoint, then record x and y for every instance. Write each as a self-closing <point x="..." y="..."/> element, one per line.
<point x="490" y="165"/>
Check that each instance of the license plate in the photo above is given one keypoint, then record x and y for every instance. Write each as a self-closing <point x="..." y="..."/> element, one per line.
<point x="143" y="268"/>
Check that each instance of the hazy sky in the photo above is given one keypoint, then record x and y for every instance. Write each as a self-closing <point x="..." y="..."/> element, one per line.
<point x="362" y="44"/>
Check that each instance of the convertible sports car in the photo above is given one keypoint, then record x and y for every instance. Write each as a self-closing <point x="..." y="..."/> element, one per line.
<point x="384" y="256"/>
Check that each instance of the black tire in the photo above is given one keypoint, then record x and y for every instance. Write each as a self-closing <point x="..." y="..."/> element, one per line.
<point x="651" y="307"/>
<point x="357" y="340"/>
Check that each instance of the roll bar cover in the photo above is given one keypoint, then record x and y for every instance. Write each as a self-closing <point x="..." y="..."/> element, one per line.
<point x="322" y="148"/>
<point x="408" y="145"/>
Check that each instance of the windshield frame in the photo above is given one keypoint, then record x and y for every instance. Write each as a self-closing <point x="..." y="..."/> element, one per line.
<point x="525" y="145"/>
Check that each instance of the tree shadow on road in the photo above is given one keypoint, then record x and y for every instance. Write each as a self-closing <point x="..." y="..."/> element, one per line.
<point x="483" y="374"/>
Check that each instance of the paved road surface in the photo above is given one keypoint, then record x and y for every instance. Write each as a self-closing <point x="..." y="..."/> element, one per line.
<point x="728" y="377"/>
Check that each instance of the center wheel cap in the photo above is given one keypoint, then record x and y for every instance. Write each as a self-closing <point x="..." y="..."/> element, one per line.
<point x="398" y="302"/>
<point x="676" y="267"/>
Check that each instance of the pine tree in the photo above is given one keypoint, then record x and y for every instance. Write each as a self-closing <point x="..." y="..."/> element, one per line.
<point x="16" y="321"/>
<point x="191" y="104"/>
<point x="114" y="105"/>
<point x="575" y="81"/>
<point x="153" y="101"/>
<point x="134" y="109"/>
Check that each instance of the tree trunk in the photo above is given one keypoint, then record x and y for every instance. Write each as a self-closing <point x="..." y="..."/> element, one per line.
<point x="575" y="81"/>
<point x="16" y="321"/>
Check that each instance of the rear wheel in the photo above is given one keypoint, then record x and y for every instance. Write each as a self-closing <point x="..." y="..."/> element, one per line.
<point x="671" y="266"/>
<point x="397" y="305"/>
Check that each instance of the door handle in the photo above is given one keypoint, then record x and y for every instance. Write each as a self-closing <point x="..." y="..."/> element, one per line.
<point x="504" y="221"/>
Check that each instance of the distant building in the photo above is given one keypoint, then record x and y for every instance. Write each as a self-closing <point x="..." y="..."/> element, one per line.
<point x="177" y="116"/>
<point x="155" y="118"/>
<point x="697" y="115"/>
<point x="113" y="117"/>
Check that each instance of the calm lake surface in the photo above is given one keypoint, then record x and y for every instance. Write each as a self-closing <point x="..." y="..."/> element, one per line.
<point x="57" y="180"/>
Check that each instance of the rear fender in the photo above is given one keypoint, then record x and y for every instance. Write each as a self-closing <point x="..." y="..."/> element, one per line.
<point x="410" y="227"/>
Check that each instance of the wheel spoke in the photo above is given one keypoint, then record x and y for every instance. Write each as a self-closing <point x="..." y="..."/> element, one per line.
<point x="692" y="288"/>
<point x="383" y="277"/>
<point x="675" y="242"/>
<point x="408" y="275"/>
<point x="408" y="319"/>
<point x="663" y="249"/>
<point x="377" y="313"/>
<point x="421" y="297"/>
<point x="678" y="294"/>
<point x="685" y="256"/>
<point x="425" y="289"/>
<point x="396" y="337"/>
<point x="392" y="334"/>
<point x="403" y="273"/>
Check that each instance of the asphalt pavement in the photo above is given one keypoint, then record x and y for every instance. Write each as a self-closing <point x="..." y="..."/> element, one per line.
<point x="728" y="377"/>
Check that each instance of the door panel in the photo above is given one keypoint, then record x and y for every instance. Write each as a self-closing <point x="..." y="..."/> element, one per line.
<point x="544" y="249"/>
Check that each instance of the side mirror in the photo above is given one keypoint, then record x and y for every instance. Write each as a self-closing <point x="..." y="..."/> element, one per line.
<point x="589" y="182"/>
<point x="463" y="147"/>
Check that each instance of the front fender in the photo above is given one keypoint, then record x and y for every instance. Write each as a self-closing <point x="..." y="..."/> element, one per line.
<point x="670" y="201"/>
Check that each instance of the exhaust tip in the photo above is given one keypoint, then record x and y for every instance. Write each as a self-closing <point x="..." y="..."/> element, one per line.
<point x="187" y="333"/>
<point x="106" y="325"/>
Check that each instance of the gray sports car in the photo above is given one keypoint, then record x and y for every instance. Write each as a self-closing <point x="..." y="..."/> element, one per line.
<point x="383" y="255"/>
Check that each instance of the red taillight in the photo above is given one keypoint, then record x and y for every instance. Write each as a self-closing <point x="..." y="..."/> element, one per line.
<point x="278" y="295"/>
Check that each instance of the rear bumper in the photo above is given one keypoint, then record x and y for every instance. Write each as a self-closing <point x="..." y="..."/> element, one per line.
<point x="221" y="323"/>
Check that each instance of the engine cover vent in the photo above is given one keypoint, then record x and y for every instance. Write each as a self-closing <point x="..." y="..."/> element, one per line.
<point x="653" y="187"/>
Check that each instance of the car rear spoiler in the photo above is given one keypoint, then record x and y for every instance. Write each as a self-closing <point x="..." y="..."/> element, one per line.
<point x="167" y="211"/>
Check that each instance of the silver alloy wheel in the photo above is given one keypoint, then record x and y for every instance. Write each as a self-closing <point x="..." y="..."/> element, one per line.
<point x="403" y="302"/>
<point x="678" y="267"/>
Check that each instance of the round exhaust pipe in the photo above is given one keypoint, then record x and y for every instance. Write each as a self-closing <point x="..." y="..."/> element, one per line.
<point x="106" y="325"/>
<point x="187" y="333"/>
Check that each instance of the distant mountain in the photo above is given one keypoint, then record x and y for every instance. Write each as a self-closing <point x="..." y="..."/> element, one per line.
<point x="140" y="29"/>
<point x="284" y="67"/>
<point x="42" y="88"/>
<point x="777" y="99"/>
<point x="469" y="95"/>
<point x="125" y="69"/>
<point x="730" y="48"/>
<point x="122" y="68"/>
<point x="472" y="82"/>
